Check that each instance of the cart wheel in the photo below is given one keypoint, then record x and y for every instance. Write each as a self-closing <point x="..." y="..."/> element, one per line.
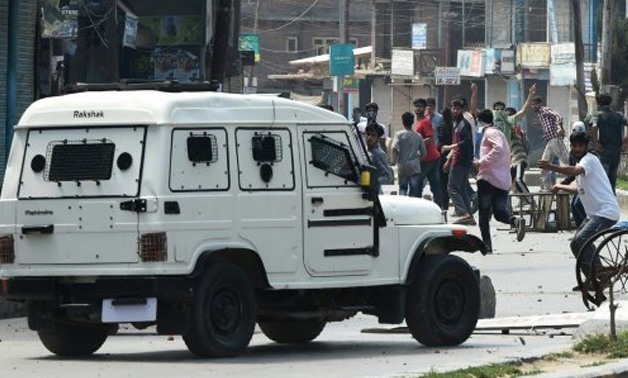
<point x="610" y="267"/>
<point x="581" y="275"/>
<point x="521" y="228"/>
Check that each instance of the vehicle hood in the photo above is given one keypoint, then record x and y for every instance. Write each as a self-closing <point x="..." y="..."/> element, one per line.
<point x="402" y="210"/>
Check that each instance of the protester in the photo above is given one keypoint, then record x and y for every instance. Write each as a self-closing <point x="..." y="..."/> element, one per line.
<point x="435" y="118"/>
<point x="460" y="163"/>
<point x="608" y="136"/>
<point x="408" y="147"/>
<point x="429" y="161"/>
<point x="493" y="178"/>
<point x="445" y="137"/>
<point x="595" y="192"/>
<point x="553" y="134"/>
<point x="385" y="174"/>
<point x="371" y="111"/>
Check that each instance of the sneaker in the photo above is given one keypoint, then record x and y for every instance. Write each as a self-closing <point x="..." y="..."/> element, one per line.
<point x="469" y="221"/>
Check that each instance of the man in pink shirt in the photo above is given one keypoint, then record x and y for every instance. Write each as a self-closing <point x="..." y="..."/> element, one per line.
<point x="429" y="162"/>
<point x="493" y="178"/>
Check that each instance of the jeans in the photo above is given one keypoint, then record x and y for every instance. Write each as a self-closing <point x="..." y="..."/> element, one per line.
<point x="517" y="173"/>
<point x="444" y="180"/>
<point x="610" y="162"/>
<point x="493" y="201"/>
<point x="430" y="170"/>
<point x="414" y="182"/>
<point x="587" y="229"/>
<point x="458" y="186"/>
<point x="555" y="147"/>
<point x="577" y="210"/>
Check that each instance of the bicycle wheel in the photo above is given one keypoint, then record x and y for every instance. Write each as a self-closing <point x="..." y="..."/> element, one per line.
<point x="610" y="267"/>
<point x="581" y="274"/>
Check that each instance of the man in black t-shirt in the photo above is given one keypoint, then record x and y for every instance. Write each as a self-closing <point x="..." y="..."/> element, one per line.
<point x="608" y="135"/>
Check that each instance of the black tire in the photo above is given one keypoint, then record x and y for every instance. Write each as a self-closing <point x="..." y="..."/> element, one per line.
<point x="292" y="331"/>
<point x="224" y="313"/>
<point x="443" y="302"/>
<point x="581" y="275"/>
<point x="73" y="340"/>
<point x="609" y="267"/>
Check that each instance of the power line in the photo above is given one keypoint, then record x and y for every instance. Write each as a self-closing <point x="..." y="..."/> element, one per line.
<point x="294" y="20"/>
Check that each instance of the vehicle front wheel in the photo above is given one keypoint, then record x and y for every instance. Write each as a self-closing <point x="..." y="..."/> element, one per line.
<point x="292" y="331"/>
<point x="73" y="340"/>
<point x="224" y="313"/>
<point x="443" y="302"/>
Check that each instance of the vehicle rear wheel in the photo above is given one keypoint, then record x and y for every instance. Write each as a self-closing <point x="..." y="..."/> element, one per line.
<point x="443" y="302"/>
<point x="73" y="340"/>
<point x="292" y="331"/>
<point x="224" y="313"/>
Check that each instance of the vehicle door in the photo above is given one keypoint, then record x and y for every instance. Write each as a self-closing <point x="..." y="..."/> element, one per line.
<point x="339" y="232"/>
<point x="73" y="181"/>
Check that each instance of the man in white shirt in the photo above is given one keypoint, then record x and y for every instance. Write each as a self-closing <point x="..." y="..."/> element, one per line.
<point x="594" y="191"/>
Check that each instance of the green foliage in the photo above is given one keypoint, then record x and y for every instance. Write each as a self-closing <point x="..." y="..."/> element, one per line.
<point x="603" y="344"/>
<point x="485" y="371"/>
<point x="622" y="182"/>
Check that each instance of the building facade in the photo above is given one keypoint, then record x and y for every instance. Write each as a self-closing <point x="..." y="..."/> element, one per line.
<point x="503" y="46"/>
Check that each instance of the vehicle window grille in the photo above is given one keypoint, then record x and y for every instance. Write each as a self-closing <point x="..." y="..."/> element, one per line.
<point x="202" y="148"/>
<point x="333" y="157"/>
<point x="80" y="160"/>
<point x="267" y="148"/>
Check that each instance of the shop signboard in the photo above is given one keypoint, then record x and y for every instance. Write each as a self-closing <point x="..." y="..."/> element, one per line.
<point x="250" y="42"/>
<point x="130" y="31"/>
<point x="59" y="19"/>
<point x="176" y="64"/>
<point x="534" y="55"/>
<point x="173" y="30"/>
<point x="447" y="76"/>
<point x="499" y="61"/>
<point x="402" y="62"/>
<point x="341" y="59"/>
<point x="471" y="63"/>
<point x="563" y="66"/>
<point x="419" y="36"/>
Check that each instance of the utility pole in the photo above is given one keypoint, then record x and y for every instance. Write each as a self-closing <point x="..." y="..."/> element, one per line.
<point x="607" y="35"/>
<point x="251" y="81"/>
<point x="343" y="8"/>
<point x="374" y="34"/>
<point x="577" y="15"/>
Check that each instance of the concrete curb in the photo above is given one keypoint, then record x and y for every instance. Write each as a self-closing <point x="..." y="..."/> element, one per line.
<point x="613" y="369"/>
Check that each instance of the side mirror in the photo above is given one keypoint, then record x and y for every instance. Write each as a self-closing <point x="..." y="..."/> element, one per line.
<point x="369" y="182"/>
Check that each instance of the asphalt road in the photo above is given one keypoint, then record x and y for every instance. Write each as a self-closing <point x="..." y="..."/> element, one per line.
<point x="533" y="277"/>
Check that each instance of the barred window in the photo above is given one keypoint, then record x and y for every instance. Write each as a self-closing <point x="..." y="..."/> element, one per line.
<point x="80" y="160"/>
<point x="202" y="148"/>
<point x="267" y="148"/>
<point x="333" y="157"/>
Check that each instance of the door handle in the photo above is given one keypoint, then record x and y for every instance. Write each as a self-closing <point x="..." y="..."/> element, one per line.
<point x="47" y="229"/>
<point x="317" y="201"/>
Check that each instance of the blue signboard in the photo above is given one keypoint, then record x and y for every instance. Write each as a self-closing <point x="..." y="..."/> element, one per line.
<point x="341" y="60"/>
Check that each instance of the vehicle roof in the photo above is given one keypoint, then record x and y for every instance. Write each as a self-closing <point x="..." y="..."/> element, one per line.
<point x="151" y="107"/>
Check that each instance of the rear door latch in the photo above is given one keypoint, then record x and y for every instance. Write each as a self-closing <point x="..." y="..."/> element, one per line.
<point x="137" y="205"/>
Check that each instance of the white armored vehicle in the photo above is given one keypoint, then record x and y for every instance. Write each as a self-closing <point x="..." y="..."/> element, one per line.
<point x="208" y="213"/>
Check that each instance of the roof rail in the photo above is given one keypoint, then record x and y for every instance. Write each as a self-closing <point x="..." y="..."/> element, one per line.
<point x="135" y="84"/>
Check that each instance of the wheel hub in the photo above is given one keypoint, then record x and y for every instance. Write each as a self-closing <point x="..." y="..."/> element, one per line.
<point x="225" y="311"/>
<point x="449" y="302"/>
